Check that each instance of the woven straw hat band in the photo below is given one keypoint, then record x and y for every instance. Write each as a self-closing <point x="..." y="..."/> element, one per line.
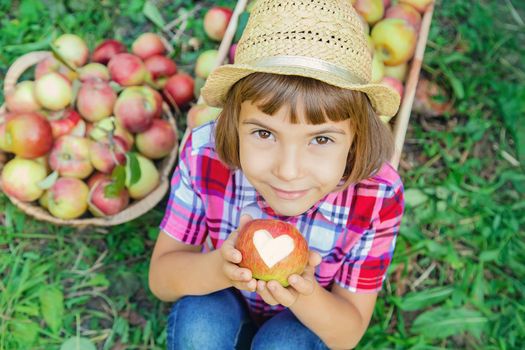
<point x="325" y="35"/>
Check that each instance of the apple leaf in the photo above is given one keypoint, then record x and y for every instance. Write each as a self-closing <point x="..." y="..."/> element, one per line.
<point x="132" y="169"/>
<point x="78" y="343"/>
<point x="62" y="60"/>
<point x="242" y="21"/>
<point x="52" y="306"/>
<point x="48" y="181"/>
<point x="115" y="86"/>
<point x="118" y="177"/>
<point x="75" y="87"/>
<point x="153" y="14"/>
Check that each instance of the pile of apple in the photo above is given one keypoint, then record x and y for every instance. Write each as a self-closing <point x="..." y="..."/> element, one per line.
<point x="215" y="24"/>
<point x="392" y="29"/>
<point x="87" y="132"/>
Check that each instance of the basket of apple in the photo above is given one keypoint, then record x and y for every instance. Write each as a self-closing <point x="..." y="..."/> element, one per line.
<point x="89" y="140"/>
<point x="396" y="30"/>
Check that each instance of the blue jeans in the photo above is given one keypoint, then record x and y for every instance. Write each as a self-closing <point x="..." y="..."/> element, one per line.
<point x="220" y="321"/>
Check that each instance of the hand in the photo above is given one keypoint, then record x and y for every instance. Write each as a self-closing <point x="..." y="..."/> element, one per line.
<point x="240" y="278"/>
<point x="274" y="293"/>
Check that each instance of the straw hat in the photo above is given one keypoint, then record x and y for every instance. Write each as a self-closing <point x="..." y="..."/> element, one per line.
<point x="320" y="39"/>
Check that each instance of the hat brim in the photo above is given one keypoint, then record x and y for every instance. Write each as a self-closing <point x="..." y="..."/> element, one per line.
<point x="385" y="100"/>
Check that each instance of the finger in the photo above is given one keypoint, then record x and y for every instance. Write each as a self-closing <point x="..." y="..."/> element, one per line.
<point x="228" y="250"/>
<point x="302" y="285"/>
<point x="284" y="296"/>
<point x="245" y="218"/>
<point x="265" y="293"/>
<point x="250" y="286"/>
<point x="236" y="273"/>
<point x="314" y="258"/>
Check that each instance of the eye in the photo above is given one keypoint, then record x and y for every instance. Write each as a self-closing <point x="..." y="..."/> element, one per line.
<point x="262" y="134"/>
<point x="321" y="140"/>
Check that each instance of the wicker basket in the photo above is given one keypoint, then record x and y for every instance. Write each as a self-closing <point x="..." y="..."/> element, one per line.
<point x="135" y="209"/>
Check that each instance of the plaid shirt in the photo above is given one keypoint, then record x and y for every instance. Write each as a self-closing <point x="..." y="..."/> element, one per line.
<point x="354" y="230"/>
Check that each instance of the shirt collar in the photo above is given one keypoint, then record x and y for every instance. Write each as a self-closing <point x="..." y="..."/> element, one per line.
<point x="334" y="206"/>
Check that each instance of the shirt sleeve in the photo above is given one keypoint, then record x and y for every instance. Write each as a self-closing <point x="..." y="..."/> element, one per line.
<point x="365" y="267"/>
<point x="185" y="217"/>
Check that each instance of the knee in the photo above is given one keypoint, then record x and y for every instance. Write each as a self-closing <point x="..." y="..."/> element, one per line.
<point x="198" y="322"/>
<point x="285" y="331"/>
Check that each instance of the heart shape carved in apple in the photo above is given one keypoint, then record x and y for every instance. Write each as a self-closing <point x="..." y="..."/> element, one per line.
<point x="272" y="250"/>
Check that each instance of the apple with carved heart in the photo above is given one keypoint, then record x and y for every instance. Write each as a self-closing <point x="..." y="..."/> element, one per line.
<point x="272" y="250"/>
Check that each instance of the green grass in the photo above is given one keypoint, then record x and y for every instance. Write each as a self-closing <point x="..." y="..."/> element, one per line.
<point x="457" y="280"/>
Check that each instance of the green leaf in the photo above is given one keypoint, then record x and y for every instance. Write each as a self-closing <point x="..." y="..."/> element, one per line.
<point x="24" y="332"/>
<point x="442" y="322"/>
<point x="78" y="343"/>
<point x="420" y="300"/>
<point x="133" y="172"/>
<point x="118" y="177"/>
<point x="241" y="24"/>
<point x="52" y="305"/>
<point x="153" y="14"/>
<point x="415" y="197"/>
<point x="46" y="183"/>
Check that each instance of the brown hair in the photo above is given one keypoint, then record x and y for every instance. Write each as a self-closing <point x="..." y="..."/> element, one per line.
<point x="372" y="145"/>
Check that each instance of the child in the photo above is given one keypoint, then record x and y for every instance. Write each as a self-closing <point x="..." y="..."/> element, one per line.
<point x="299" y="139"/>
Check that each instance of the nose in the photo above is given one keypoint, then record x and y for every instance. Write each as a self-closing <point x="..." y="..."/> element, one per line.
<point x="288" y="165"/>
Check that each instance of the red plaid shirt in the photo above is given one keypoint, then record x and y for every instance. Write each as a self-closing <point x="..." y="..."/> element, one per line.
<point x="354" y="230"/>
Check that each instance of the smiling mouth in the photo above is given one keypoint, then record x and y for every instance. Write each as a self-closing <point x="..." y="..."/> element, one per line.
<point x="289" y="194"/>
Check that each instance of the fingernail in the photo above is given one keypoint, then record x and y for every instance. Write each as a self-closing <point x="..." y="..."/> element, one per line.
<point x="293" y="279"/>
<point x="271" y="287"/>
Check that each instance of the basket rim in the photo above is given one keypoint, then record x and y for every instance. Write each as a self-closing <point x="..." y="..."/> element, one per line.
<point x="135" y="209"/>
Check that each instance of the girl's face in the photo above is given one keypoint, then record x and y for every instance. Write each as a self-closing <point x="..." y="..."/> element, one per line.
<point x="292" y="166"/>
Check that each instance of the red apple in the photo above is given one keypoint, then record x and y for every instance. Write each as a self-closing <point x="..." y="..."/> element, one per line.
<point x="272" y="250"/>
<point x="206" y="63"/>
<point x="406" y="12"/>
<point x="231" y="55"/>
<point x="149" y="179"/>
<point x="105" y="51"/>
<point x="216" y="22"/>
<point x="201" y="114"/>
<point x="95" y="100"/>
<point x="105" y="155"/>
<point x="371" y="10"/>
<point x="160" y="67"/>
<point x="135" y="108"/>
<point x="20" y="178"/>
<point x="22" y="98"/>
<point x="386" y="3"/>
<point x="420" y="5"/>
<point x="70" y="157"/>
<point x="399" y="72"/>
<point x="394" y="83"/>
<point x="101" y="205"/>
<point x="158" y="141"/>
<point x="432" y="98"/>
<point x="53" y="91"/>
<point x="28" y="135"/>
<point x="395" y="39"/>
<point x="147" y="45"/>
<point x="94" y="71"/>
<point x="67" y="198"/>
<point x="95" y="177"/>
<point x="179" y="89"/>
<point x="51" y="64"/>
<point x="127" y="69"/>
<point x="102" y="129"/>
<point x="63" y="122"/>
<point x="72" y="49"/>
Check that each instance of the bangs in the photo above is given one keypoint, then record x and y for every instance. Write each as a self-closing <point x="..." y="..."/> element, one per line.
<point x="322" y="102"/>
